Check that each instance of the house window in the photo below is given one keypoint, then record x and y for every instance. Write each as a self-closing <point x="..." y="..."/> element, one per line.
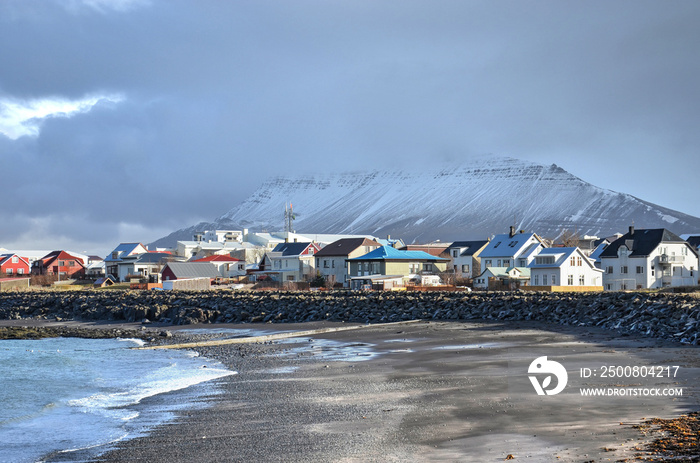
<point x="506" y="262"/>
<point x="570" y="280"/>
<point x="241" y="267"/>
<point x="609" y="269"/>
<point x="623" y="270"/>
<point x="332" y="264"/>
<point x="554" y="280"/>
<point x="465" y="268"/>
<point x="61" y="263"/>
<point x="537" y="280"/>
<point x="498" y="263"/>
<point x="428" y="267"/>
<point x="684" y="251"/>
<point x="640" y="269"/>
<point x="581" y="280"/>
<point x="652" y="270"/>
<point x="623" y="286"/>
<point x="523" y="262"/>
<point x="8" y="271"/>
<point x="488" y="263"/>
<point x="20" y="271"/>
<point x="579" y="262"/>
<point x="455" y="253"/>
<point x="325" y="263"/>
<point x="71" y="263"/>
<point x="15" y="259"/>
<point x="573" y="261"/>
<point x="544" y="280"/>
<point x="375" y="268"/>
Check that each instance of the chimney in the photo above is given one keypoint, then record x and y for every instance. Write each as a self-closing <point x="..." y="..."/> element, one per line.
<point x="631" y="230"/>
<point x="512" y="232"/>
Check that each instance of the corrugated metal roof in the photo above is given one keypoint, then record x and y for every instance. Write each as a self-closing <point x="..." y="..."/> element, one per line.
<point x="389" y="253"/>
<point x="192" y="269"/>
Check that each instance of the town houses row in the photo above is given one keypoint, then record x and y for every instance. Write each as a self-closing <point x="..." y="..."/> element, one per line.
<point x="638" y="259"/>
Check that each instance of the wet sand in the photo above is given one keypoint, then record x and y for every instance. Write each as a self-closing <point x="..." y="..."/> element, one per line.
<point x="430" y="391"/>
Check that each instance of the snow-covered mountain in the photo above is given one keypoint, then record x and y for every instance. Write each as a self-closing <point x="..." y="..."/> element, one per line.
<point x="465" y="202"/>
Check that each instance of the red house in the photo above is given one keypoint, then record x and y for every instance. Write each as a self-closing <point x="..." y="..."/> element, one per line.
<point x="59" y="263"/>
<point x="12" y="264"/>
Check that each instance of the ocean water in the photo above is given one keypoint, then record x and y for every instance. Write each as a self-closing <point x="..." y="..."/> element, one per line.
<point x="68" y="398"/>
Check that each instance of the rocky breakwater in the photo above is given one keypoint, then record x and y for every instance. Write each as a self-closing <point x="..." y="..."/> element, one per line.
<point x="668" y="316"/>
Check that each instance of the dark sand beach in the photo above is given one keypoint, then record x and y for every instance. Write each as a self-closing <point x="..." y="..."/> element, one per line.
<point x="426" y="391"/>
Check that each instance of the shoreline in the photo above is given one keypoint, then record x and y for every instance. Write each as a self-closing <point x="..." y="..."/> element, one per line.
<point x="420" y="398"/>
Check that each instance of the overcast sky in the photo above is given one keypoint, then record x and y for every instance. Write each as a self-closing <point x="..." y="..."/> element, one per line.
<point x="123" y="120"/>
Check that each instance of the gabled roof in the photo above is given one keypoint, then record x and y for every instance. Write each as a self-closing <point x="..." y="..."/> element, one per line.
<point x="124" y="249"/>
<point x="192" y="269"/>
<point x="291" y="249"/>
<point x="56" y="255"/>
<point x="390" y="253"/>
<point x="471" y="246"/>
<point x="595" y="255"/>
<point x="504" y="245"/>
<point x="642" y="242"/>
<point x="560" y="256"/>
<point x="217" y="258"/>
<point x="5" y="257"/>
<point x="345" y="246"/>
<point x="694" y="241"/>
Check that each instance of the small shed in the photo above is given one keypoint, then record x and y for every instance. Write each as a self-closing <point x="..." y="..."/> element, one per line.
<point x="104" y="282"/>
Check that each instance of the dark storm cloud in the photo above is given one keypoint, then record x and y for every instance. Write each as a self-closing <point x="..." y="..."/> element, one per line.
<point x="218" y="96"/>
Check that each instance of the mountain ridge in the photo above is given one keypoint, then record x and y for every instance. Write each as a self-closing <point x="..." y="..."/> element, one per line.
<point x="468" y="201"/>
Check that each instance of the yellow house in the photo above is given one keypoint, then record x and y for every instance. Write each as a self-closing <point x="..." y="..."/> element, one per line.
<point x="385" y="260"/>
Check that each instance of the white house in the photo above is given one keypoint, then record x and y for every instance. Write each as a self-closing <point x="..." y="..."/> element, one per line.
<point x="145" y="265"/>
<point x="465" y="257"/>
<point x="649" y="258"/>
<point x="115" y="257"/>
<point x="564" y="267"/>
<point x="292" y="261"/>
<point x="511" y="250"/>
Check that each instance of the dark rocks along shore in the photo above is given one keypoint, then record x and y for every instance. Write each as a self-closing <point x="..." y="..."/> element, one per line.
<point x="662" y="315"/>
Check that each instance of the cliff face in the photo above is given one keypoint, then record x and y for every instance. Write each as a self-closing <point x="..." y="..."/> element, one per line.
<point x="467" y="202"/>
